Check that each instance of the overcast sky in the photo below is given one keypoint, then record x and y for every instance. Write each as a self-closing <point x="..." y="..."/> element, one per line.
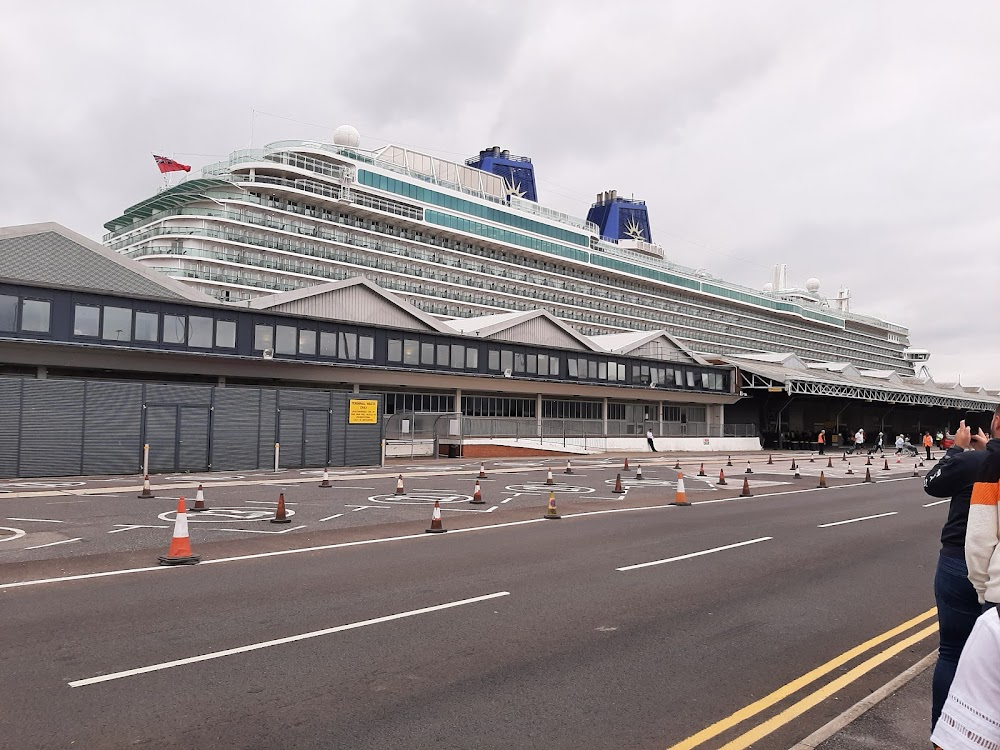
<point x="856" y="141"/>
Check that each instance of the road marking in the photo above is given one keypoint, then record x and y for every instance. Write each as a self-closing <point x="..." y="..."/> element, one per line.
<point x="70" y="502"/>
<point x="269" y="502"/>
<point x="938" y="502"/>
<point x="18" y="533"/>
<point x="855" y="520"/>
<point x="257" y="531"/>
<point x="130" y="526"/>
<point x="38" y="520"/>
<point x="330" y="518"/>
<point x="797" y="709"/>
<point x="797" y="684"/>
<point x="53" y="544"/>
<point x="696" y="554"/>
<point x="281" y="641"/>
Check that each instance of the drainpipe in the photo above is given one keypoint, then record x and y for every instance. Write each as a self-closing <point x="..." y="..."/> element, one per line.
<point x="781" y="439"/>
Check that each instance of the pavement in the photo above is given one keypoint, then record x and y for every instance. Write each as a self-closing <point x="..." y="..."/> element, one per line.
<point x="736" y="622"/>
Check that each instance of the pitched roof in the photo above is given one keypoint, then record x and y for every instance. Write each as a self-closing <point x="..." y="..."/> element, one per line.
<point x="653" y="344"/>
<point x="51" y="255"/>
<point x="356" y="300"/>
<point x="536" y="326"/>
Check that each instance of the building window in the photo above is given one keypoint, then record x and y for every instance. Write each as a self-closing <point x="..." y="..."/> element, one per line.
<point x="174" y="329"/>
<point x="307" y="342"/>
<point x="284" y="342"/>
<point x="395" y="351"/>
<point x="506" y="360"/>
<point x="366" y="347"/>
<point x="532" y="364"/>
<point x="86" y="320"/>
<point x="147" y="326"/>
<point x="35" y="315"/>
<point x="443" y="355"/>
<point x="263" y="337"/>
<point x="472" y="358"/>
<point x="592" y="369"/>
<point x="348" y="346"/>
<point x="457" y="355"/>
<point x="427" y="354"/>
<point x="543" y="364"/>
<point x="519" y="362"/>
<point x="411" y="352"/>
<point x="117" y="324"/>
<point x="8" y="313"/>
<point x="200" y="332"/>
<point x="572" y="367"/>
<point x="493" y="362"/>
<point x="690" y="379"/>
<point x="554" y="366"/>
<point x="328" y="345"/>
<point x="225" y="333"/>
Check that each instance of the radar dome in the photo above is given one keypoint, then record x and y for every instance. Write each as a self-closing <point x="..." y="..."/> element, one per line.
<point x="812" y="285"/>
<point x="769" y="287"/>
<point x="347" y="135"/>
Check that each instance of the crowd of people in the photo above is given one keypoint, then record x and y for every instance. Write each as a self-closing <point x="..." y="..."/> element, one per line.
<point x="965" y="700"/>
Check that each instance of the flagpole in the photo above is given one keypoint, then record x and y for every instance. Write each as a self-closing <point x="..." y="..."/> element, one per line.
<point x="250" y="145"/>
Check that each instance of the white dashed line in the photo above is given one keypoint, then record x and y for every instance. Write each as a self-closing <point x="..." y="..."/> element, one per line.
<point x="53" y="544"/>
<point x="855" y="520"/>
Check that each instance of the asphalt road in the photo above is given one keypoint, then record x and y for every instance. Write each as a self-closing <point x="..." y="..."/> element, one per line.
<point x="550" y="637"/>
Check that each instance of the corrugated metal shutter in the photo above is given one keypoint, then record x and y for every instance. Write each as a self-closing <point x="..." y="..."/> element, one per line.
<point x="51" y="428"/>
<point x="338" y="428"/>
<point x="161" y="434"/>
<point x="364" y="441"/>
<point x="112" y="428"/>
<point x="268" y="413"/>
<point x="177" y="394"/>
<point x="194" y="438"/>
<point x="302" y="399"/>
<point x="290" y="437"/>
<point x="235" y="423"/>
<point x="10" y="425"/>
<point x="317" y="437"/>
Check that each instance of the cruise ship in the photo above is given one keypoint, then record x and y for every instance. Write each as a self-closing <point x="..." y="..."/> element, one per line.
<point x="460" y="240"/>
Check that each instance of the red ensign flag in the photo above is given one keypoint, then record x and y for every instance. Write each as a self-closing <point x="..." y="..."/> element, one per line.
<point x="169" y="165"/>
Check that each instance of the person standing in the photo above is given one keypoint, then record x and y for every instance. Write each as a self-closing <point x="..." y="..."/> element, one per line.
<point x="821" y="439"/>
<point x="958" y="606"/>
<point x="649" y="439"/>
<point x="879" y="445"/>
<point x="928" y="442"/>
<point x="859" y="440"/>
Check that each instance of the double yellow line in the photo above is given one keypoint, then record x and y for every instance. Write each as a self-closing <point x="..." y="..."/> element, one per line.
<point x="797" y="709"/>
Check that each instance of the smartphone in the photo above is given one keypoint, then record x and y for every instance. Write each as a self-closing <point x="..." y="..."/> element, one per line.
<point x="975" y="421"/>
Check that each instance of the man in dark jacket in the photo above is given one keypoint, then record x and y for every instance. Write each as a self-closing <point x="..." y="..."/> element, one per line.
<point x="957" y="602"/>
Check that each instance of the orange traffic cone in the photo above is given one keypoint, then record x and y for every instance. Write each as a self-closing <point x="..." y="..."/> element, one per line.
<point x="199" y="501"/>
<point x="849" y="469"/>
<point x="796" y="475"/>
<point x="829" y="463"/>
<point x="436" y="526"/>
<point x="812" y="460"/>
<point x="886" y="467"/>
<point x="548" y="478"/>
<point x="280" y="516"/>
<point x="482" y="471"/>
<point x="569" y="467"/>
<point x="477" y="496"/>
<point x="625" y="466"/>
<point x="618" y="485"/>
<point x="915" y="472"/>
<point x="722" y="477"/>
<point x="701" y="471"/>
<point x="326" y="479"/>
<point x="729" y="462"/>
<point x="677" y="465"/>
<point x="898" y="460"/>
<point x="793" y="467"/>
<point x="551" y="512"/>
<point x="868" y="475"/>
<point x="869" y="461"/>
<point x="146" y="490"/>
<point x="680" y="498"/>
<point x="769" y="461"/>
<point x="822" y="481"/>
<point x="746" y="488"/>
<point x="749" y="470"/>
<point x="399" y="486"/>
<point x="180" y="544"/>
<point x="638" y="471"/>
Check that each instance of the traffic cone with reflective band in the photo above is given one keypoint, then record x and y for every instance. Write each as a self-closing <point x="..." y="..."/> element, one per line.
<point x="618" y="485"/>
<point x="482" y="471"/>
<point x="638" y="471"/>
<point x="569" y="467"/>
<point x="849" y="469"/>
<point x="796" y="475"/>
<point x="326" y="479"/>
<point x="180" y="545"/>
<point x="822" y="480"/>
<point x="769" y="461"/>
<point x="701" y="471"/>
<point x="829" y="463"/>
<point x="746" y="488"/>
<point x="722" y="477"/>
<point x="729" y="462"/>
<point x="868" y="461"/>
<point x="280" y="516"/>
<point x="749" y="470"/>
<point x="677" y="464"/>
<point x="915" y="472"/>
<point x="199" y="501"/>
<point x="868" y="475"/>
<point x="812" y="460"/>
<point x="680" y="498"/>
<point x="146" y="489"/>
<point x="551" y="511"/>
<point x="625" y="466"/>
<point x="793" y="467"/>
<point x="548" y="478"/>
<point x="898" y="460"/>
<point x="477" y="495"/>
<point x="886" y="467"/>
<point x="436" y="526"/>
<point x="399" y="486"/>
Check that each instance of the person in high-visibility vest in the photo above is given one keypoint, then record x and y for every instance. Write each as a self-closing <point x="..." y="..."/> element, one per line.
<point x="821" y="439"/>
<point x="928" y="442"/>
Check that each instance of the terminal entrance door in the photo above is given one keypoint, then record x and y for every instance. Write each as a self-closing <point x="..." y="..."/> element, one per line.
<point x="177" y="437"/>
<point x="304" y="437"/>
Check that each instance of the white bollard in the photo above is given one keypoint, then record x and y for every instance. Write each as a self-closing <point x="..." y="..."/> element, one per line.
<point x="277" y="451"/>
<point x="145" y="460"/>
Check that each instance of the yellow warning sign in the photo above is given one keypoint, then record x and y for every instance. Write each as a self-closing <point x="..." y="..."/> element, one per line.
<point x="363" y="412"/>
